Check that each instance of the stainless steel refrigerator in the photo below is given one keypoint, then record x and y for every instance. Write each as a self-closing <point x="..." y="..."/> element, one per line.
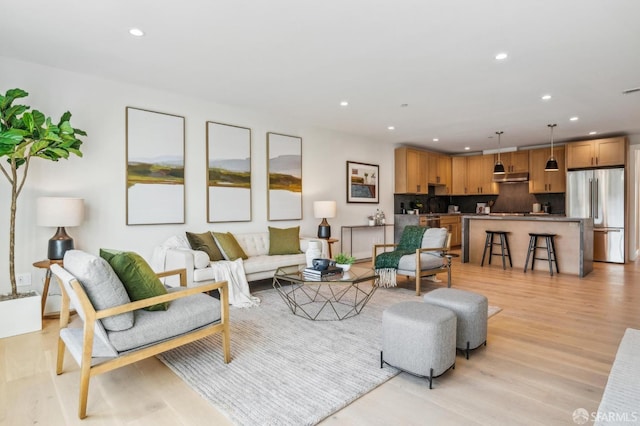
<point x="599" y="194"/>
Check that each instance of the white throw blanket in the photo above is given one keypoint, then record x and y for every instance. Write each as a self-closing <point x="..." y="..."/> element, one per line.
<point x="223" y="270"/>
<point x="388" y="277"/>
<point x="232" y="271"/>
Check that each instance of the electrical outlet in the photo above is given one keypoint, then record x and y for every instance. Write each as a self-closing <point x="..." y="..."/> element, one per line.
<point x="23" y="280"/>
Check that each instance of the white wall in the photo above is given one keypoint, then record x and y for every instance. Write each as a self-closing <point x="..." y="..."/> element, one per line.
<point x="98" y="107"/>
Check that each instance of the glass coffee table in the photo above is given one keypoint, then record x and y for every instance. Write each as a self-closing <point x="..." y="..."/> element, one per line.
<point x="336" y="297"/>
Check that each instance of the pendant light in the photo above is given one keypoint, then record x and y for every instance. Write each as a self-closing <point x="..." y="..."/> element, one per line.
<point x="498" y="168"/>
<point x="552" y="163"/>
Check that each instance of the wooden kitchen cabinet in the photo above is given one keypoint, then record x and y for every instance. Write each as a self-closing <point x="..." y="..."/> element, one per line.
<point x="480" y="175"/>
<point x="454" y="224"/>
<point x="432" y="168"/>
<point x="411" y="171"/>
<point x="516" y="161"/>
<point x="416" y="169"/>
<point x="458" y="175"/>
<point x="597" y="153"/>
<point x="443" y="178"/>
<point x="540" y="181"/>
<point x="473" y="175"/>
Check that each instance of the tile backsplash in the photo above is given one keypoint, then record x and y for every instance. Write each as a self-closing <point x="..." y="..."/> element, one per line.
<point x="513" y="198"/>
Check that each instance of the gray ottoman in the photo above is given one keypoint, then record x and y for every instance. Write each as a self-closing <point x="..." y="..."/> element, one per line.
<point x="419" y="339"/>
<point x="471" y="310"/>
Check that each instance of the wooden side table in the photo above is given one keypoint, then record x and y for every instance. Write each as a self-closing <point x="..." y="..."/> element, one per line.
<point x="45" y="264"/>
<point x="330" y="241"/>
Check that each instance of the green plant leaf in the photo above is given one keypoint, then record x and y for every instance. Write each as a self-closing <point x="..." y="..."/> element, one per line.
<point x="65" y="117"/>
<point x="10" y="96"/>
<point x="38" y="146"/>
<point x="12" y="136"/>
<point x="38" y="118"/>
<point x="62" y="153"/>
<point x="27" y="118"/>
<point x="75" y="151"/>
<point x="65" y="127"/>
<point x="13" y="111"/>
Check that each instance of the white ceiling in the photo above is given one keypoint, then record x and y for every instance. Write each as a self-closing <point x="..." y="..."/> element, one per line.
<point x="300" y="58"/>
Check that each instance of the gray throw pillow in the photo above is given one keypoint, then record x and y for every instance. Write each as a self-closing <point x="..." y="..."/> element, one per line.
<point x="102" y="285"/>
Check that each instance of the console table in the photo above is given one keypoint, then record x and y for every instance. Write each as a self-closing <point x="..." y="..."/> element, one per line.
<point x="350" y="230"/>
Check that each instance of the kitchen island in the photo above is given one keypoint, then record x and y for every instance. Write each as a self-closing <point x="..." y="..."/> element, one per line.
<point x="573" y="241"/>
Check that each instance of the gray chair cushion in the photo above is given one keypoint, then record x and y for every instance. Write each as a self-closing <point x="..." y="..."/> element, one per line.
<point x="428" y="260"/>
<point x="183" y="315"/>
<point x="434" y="237"/>
<point x="102" y="285"/>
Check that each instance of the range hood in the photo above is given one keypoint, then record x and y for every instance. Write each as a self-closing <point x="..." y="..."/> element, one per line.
<point x="511" y="177"/>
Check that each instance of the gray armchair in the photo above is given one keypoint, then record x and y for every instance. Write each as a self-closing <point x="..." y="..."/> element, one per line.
<point x="429" y="259"/>
<point x="191" y="315"/>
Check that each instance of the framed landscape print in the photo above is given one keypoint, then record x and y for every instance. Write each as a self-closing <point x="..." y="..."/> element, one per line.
<point x="228" y="173"/>
<point x="284" y="171"/>
<point x="362" y="182"/>
<point x="155" y="167"/>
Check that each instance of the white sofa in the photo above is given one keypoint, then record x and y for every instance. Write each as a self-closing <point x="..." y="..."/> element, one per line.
<point x="258" y="266"/>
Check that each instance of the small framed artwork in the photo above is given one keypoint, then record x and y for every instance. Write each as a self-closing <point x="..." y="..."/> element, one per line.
<point x="284" y="171"/>
<point x="155" y="167"/>
<point x="228" y="173"/>
<point x="362" y="182"/>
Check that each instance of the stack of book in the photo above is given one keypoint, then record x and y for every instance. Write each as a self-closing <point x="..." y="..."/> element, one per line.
<point x="319" y="274"/>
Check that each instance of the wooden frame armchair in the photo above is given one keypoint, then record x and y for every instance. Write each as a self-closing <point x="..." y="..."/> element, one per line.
<point x="418" y="262"/>
<point x="91" y="347"/>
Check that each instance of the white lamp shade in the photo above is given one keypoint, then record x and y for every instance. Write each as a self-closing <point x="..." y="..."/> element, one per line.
<point x="59" y="211"/>
<point x="324" y="209"/>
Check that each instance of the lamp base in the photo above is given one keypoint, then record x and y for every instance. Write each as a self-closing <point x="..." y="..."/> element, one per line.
<point x="324" y="231"/>
<point x="59" y="244"/>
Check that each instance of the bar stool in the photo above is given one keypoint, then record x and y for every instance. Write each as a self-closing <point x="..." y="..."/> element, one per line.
<point x="550" y="246"/>
<point x="504" y="248"/>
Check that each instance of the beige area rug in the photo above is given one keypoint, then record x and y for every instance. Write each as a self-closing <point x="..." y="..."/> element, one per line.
<point x="287" y="370"/>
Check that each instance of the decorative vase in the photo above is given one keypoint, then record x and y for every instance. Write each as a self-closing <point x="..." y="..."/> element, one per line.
<point x="345" y="266"/>
<point x="314" y="251"/>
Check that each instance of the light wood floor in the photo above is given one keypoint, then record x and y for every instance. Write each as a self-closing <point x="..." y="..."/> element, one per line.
<point x="549" y="352"/>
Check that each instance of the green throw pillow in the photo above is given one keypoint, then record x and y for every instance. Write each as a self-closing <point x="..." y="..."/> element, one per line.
<point x="137" y="276"/>
<point x="284" y="241"/>
<point x="205" y="242"/>
<point x="229" y="246"/>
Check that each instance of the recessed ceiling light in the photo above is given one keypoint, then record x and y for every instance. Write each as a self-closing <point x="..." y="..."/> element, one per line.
<point x="436" y="139"/>
<point x="501" y="56"/>
<point x="546" y="97"/>
<point x="573" y="119"/>
<point x="137" y="32"/>
<point x="391" y="127"/>
<point x="593" y="133"/>
<point x="467" y="148"/>
<point x="344" y="103"/>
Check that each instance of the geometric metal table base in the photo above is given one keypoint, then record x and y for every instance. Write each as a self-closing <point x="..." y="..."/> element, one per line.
<point x="334" y="298"/>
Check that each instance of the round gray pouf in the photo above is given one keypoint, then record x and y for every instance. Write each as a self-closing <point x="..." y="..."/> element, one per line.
<point x="419" y="338"/>
<point x="471" y="311"/>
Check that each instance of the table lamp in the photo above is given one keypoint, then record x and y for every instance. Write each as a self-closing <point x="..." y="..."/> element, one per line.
<point x="59" y="212"/>
<point x="323" y="210"/>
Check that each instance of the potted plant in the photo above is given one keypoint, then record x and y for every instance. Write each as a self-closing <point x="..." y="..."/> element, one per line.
<point x="25" y="135"/>
<point x="344" y="261"/>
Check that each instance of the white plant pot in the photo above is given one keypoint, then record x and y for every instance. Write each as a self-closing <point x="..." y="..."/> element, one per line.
<point x="19" y="316"/>
<point x="345" y="266"/>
